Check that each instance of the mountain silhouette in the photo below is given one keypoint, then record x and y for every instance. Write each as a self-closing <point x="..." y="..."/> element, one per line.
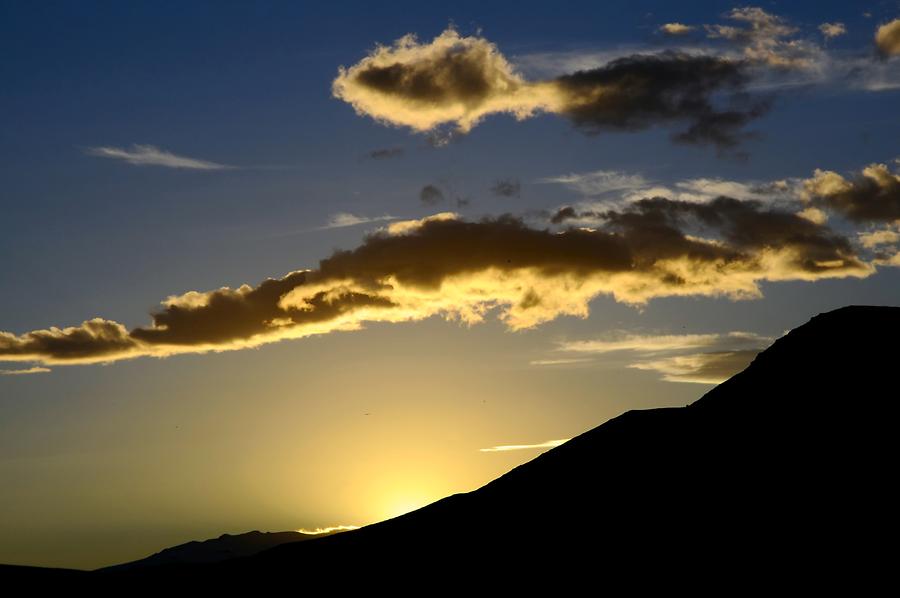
<point x="226" y="546"/>
<point x="779" y="478"/>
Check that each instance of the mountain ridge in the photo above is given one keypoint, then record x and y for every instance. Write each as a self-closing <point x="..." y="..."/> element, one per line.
<point x="225" y="546"/>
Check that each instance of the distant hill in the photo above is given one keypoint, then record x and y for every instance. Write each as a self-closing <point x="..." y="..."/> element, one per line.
<point x="226" y="546"/>
<point x="781" y="478"/>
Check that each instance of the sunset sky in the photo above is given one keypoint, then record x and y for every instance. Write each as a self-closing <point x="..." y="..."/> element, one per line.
<point x="281" y="266"/>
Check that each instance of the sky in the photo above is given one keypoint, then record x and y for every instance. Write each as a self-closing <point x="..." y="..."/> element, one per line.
<point x="281" y="266"/>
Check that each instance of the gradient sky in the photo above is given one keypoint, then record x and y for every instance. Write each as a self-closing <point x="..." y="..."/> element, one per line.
<point x="152" y="149"/>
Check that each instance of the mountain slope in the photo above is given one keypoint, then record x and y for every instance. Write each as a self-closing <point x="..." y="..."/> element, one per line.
<point x="780" y="477"/>
<point x="789" y="458"/>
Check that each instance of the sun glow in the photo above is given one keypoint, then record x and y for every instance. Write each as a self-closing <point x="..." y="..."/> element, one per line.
<point x="406" y="503"/>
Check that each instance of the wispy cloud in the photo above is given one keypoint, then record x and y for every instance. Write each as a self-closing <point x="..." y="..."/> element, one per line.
<point x="344" y="219"/>
<point x="523" y="447"/>
<point x="781" y="55"/>
<point x="604" y="190"/>
<point x="328" y="530"/>
<point x="831" y="30"/>
<point x="622" y="341"/>
<point x="34" y="370"/>
<point x="149" y="155"/>
<point x="699" y="368"/>
<point x="599" y="182"/>
<point x="697" y="358"/>
<point x="634" y="186"/>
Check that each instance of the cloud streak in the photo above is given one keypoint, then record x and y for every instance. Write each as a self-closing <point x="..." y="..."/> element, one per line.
<point x="25" y="372"/>
<point x="661" y="343"/>
<point x="599" y="182"/>
<point x="524" y="447"/>
<point x="458" y="81"/>
<point x="552" y="362"/>
<point x="149" y="155"/>
<point x="345" y="219"/>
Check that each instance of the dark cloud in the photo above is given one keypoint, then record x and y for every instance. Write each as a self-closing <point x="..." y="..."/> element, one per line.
<point x="507" y="188"/>
<point x="744" y="225"/>
<point x="640" y="91"/>
<point x="92" y="341"/>
<point x="457" y="77"/>
<point x="447" y="248"/>
<point x="725" y="129"/>
<point x="386" y="153"/>
<point x="431" y="195"/>
<point x="228" y="316"/>
<point x="223" y="315"/>
<point x="563" y="214"/>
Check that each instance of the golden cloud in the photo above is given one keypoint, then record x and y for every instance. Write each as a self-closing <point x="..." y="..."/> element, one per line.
<point x="873" y="195"/>
<point x="676" y="28"/>
<point x="94" y="341"/>
<point x="766" y="39"/>
<point x="458" y="81"/>
<point x="887" y="38"/>
<point x="460" y="270"/>
<point x="452" y="79"/>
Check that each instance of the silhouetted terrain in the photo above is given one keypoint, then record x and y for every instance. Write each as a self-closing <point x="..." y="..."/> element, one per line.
<point x="781" y="477"/>
<point x="226" y="546"/>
